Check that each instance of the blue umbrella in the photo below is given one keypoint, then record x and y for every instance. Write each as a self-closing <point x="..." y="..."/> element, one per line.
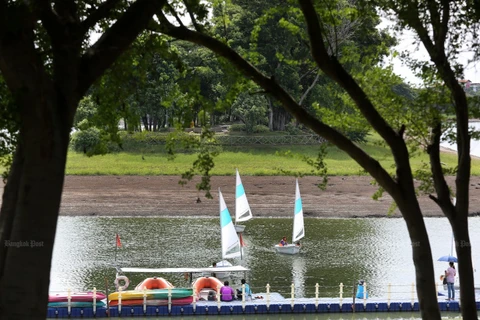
<point x="448" y="259"/>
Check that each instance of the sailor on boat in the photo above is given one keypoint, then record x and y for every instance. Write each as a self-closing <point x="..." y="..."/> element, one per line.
<point x="283" y="242"/>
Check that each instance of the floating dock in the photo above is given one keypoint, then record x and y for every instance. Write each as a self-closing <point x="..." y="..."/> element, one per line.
<point x="276" y="305"/>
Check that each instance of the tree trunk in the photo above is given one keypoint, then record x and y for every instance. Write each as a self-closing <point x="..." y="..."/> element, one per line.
<point x="465" y="268"/>
<point x="424" y="271"/>
<point x="28" y="250"/>
<point x="270" y="114"/>
<point x="145" y="122"/>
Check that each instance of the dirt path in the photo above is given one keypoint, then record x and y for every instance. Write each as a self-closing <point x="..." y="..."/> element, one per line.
<point x="268" y="196"/>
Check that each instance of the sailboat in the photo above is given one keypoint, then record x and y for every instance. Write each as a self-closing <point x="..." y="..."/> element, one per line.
<point x="298" y="226"/>
<point x="230" y="241"/>
<point x="242" y="208"/>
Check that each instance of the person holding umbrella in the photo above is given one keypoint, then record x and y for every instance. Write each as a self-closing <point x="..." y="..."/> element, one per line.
<point x="450" y="274"/>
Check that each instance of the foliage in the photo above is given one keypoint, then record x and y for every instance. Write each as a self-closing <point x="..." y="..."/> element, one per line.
<point x="260" y="129"/>
<point x="206" y="151"/>
<point x="237" y="127"/>
<point x="89" y="141"/>
<point x="9" y="125"/>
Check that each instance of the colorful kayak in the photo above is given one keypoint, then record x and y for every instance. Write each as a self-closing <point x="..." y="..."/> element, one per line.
<point x="76" y="304"/>
<point x="75" y="296"/>
<point x="155" y="302"/>
<point x="177" y="293"/>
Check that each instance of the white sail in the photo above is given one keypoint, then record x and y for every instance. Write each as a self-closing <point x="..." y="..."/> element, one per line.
<point x="230" y="241"/>
<point x="242" y="208"/>
<point x="298" y="227"/>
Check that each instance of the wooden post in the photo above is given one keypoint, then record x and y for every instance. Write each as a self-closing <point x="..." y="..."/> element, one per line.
<point x="316" y="295"/>
<point x="293" y="295"/>
<point x="144" y="300"/>
<point x="94" y="300"/>
<point x="354" y="295"/>
<point x="341" y="294"/>
<point x="194" y="299"/>
<point x="243" y="297"/>
<point x="218" y="298"/>
<point x="169" y="300"/>
<point x="119" y="300"/>
<point x="365" y="294"/>
<point x="69" y="301"/>
<point x="389" y="294"/>
<point x="268" y="296"/>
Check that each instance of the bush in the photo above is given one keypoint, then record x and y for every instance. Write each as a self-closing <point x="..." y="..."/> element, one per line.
<point x="260" y="129"/>
<point x="292" y="129"/>
<point x="89" y="141"/>
<point x="357" y="136"/>
<point x="237" y="127"/>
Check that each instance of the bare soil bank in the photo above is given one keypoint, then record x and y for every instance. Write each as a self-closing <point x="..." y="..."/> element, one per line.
<point x="345" y="197"/>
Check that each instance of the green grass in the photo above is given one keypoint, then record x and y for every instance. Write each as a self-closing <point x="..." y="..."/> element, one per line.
<point x="262" y="160"/>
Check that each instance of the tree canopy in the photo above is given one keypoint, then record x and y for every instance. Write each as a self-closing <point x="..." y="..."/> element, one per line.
<point x="317" y="62"/>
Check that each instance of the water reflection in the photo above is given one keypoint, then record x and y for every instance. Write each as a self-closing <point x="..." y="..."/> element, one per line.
<point x="299" y="267"/>
<point x="334" y="251"/>
<point x="357" y="316"/>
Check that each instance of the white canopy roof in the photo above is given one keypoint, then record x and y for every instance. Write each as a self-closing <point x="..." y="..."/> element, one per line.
<point x="184" y="270"/>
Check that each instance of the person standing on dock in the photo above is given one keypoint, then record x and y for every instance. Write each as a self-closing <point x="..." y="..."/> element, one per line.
<point x="450" y="274"/>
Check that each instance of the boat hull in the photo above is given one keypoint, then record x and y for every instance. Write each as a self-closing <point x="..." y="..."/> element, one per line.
<point x="288" y="249"/>
<point x="239" y="228"/>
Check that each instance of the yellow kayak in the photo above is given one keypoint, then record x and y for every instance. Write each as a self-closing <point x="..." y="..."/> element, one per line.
<point x="177" y="293"/>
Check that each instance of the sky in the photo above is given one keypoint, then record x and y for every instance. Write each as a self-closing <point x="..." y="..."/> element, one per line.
<point x="471" y="70"/>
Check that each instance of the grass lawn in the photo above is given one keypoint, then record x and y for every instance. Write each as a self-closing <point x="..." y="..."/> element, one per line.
<point x="261" y="160"/>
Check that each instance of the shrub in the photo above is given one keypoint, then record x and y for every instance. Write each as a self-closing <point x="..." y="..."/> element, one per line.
<point x="89" y="141"/>
<point x="292" y="129"/>
<point x="237" y="127"/>
<point x="260" y="129"/>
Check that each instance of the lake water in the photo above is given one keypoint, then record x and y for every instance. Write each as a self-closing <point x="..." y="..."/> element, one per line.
<point x="474" y="144"/>
<point x="334" y="251"/>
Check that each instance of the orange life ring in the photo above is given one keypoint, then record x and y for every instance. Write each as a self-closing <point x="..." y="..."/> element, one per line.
<point x="206" y="282"/>
<point x="154" y="283"/>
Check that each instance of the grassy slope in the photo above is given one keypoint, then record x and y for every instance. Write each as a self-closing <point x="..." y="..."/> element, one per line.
<point x="262" y="160"/>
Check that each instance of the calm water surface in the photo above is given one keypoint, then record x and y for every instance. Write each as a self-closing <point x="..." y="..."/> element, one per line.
<point x="334" y="251"/>
<point x="366" y="316"/>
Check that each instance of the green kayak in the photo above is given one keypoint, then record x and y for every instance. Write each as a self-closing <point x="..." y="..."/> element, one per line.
<point x="177" y="293"/>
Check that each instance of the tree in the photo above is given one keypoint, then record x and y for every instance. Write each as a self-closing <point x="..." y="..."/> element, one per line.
<point x="436" y="16"/>
<point x="48" y="67"/>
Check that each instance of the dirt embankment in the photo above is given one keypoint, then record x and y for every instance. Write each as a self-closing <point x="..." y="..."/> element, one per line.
<point x="345" y="197"/>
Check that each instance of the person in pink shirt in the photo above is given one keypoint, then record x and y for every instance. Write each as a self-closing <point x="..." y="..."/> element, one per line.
<point x="450" y="274"/>
<point x="226" y="292"/>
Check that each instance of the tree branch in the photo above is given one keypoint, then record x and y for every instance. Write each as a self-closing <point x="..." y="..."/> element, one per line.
<point x="116" y="40"/>
<point x="49" y="18"/>
<point x="334" y="69"/>
<point x="174" y="13"/>
<point x="100" y="13"/>
<point x="305" y="94"/>
<point x="330" y="134"/>
<point x="441" y="186"/>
